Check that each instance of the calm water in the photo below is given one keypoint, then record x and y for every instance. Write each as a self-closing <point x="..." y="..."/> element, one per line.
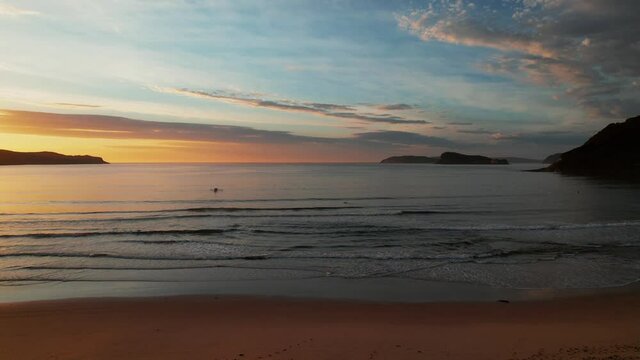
<point x="162" y="224"/>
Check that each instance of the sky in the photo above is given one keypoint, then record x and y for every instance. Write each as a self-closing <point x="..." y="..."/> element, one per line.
<point x="311" y="80"/>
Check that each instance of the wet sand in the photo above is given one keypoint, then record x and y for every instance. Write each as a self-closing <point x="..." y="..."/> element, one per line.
<point x="594" y="327"/>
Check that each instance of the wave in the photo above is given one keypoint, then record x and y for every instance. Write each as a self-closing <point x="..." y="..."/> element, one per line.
<point x="223" y="201"/>
<point x="131" y="257"/>
<point x="193" y="209"/>
<point x="424" y="212"/>
<point x="107" y="233"/>
<point x="164" y="268"/>
<point x="233" y="209"/>
<point x="366" y="230"/>
<point x="542" y="227"/>
<point x="541" y="248"/>
<point x="193" y="216"/>
<point x="167" y="242"/>
<point x="337" y="246"/>
<point x="99" y="220"/>
<point x="334" y="230"/>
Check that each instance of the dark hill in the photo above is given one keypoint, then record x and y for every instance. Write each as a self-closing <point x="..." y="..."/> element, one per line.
<point x="452" y="158"/>
<point x="552" y="158"/>
<point x="612" y="152"/>
<point x="45" y="158"/>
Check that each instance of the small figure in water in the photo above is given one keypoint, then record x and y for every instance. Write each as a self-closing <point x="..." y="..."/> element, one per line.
<point x="215" y="190"/>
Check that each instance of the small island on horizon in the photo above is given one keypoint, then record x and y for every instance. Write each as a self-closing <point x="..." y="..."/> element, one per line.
<point x="447" y="158"/>
<point x="8" y="157"/>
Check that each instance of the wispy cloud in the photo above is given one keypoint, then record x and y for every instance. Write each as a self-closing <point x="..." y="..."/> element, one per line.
<point x="455" y="24"/>
<point x="9" y="10"/>
<point x="475" y="131"/>
<point x="322" y="109"/>
<point x="395" y="107"/>
<point x="404" y="138"/>
<point x="586" y="49"/>
<point x="112" y="127"/>
<point x="543" y="137"/>
<point x="74" y="105"/>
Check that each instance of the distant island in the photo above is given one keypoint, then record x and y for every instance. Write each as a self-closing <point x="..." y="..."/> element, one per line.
<point x="613" y="152"/>
<point x="46" y="158"/>
<point x="447" y="158"/>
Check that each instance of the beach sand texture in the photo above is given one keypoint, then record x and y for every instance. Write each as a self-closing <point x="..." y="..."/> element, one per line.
<point x="595" y="327"/>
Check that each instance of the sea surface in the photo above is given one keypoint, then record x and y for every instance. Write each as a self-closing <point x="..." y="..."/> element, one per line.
<point x="112" y="230"/>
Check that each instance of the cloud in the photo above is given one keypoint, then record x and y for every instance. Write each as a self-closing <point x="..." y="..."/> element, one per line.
<point x="476" y="131"/>
<point x="170" y="135"/>
<point x="386" y="118"/>
<point x="113" y="127"/>
<point x="501" y="136"/>
<point x="403" y="138"/>
<point x="567" y="138"/>
<point x="9" y="10"/>
<point x="395" y="107"/>
<point x="539" y="71"/>
<point x="588" y="50"/>
<point x="457" y="25"/>
<point x="73" y="105"/>
<point x="321" y="109"/>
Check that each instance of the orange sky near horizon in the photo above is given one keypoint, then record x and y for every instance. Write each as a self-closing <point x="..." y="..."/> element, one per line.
<point x="153" y="151"/>
<point x="125" y="140"/>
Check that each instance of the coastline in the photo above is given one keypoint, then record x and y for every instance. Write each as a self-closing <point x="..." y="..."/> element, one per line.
<point x="244" y="327"/>
<point x="374" y="290"/>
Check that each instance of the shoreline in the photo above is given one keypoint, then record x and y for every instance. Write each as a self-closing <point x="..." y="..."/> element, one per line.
<point x="250" y="327"/>
<point x="374" y="290"/>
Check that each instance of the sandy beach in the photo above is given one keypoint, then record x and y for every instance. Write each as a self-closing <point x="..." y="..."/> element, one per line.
<point x="593" y="327"/>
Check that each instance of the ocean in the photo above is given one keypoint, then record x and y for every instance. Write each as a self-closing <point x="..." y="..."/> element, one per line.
<point x="378" y="231"/>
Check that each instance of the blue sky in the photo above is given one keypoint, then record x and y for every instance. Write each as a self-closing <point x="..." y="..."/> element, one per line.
<point x="372" y="78"/>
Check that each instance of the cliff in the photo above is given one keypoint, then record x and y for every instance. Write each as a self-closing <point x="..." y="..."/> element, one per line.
<point x="552" y="158"/>
<point x="612" y="152"/>
<point x="45" y="158"/>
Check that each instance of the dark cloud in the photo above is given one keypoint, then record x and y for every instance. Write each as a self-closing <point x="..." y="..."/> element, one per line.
<point x="403" y="138"/>
<point x="545" y="138"/>
<point x="588" y="49"/>
<point x="396" y="107"/>
<point x="334" y="107"/>
<point x="322" y="109"/>
<point x="113" y="127"/>
<point x="476" y="131"/>
<point x="386" y="118"/>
